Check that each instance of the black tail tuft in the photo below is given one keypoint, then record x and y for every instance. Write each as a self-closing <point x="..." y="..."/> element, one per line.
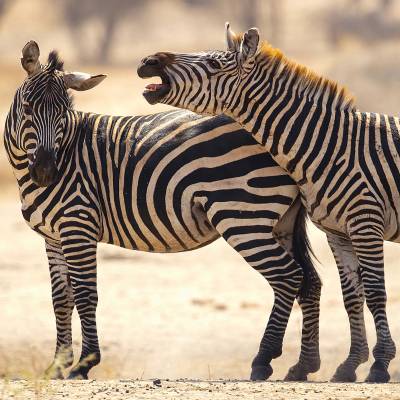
<point x="303" y="254"/>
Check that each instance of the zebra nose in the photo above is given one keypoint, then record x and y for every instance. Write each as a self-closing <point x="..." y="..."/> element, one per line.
<point x="43" y="170"/>
<point x="153" y="61"/>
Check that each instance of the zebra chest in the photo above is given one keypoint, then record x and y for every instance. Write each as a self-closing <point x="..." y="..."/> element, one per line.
<point x="42" y="218"/>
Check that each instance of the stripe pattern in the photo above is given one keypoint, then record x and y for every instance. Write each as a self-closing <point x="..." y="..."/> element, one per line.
<point x="344" y="161"/>
<point x="167" y="182"/>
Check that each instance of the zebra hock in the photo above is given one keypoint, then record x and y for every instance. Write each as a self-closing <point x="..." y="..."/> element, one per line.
<point x="166" y="182"/>
<point x="344" y="161"/>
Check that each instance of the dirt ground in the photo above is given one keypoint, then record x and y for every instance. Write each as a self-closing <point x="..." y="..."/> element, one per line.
<point x="194" y="390"/>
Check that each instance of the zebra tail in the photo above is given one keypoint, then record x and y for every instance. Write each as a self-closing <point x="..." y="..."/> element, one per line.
<point x="304" y="255"/>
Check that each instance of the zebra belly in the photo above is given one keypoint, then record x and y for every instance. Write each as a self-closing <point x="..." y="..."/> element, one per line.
<point x="186" y="232"/>
<point x="392" y="226"/>
<point x="171" y="247"/>
<point x="188" y="229"/>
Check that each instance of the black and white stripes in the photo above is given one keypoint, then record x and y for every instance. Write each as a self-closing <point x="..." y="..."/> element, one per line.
<point x="345" y="162"/>
<point x="167" y="182"/>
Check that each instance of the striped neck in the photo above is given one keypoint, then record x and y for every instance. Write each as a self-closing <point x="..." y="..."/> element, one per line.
<point x="285" y="105"/>
<point x="74" y="129"/>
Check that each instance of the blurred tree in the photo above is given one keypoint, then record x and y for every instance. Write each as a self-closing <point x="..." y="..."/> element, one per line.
<point x="248" y="13"/>
<point x="108" y="12"/>
<point x="3" y="6"/>
<point x="357" y="19"/>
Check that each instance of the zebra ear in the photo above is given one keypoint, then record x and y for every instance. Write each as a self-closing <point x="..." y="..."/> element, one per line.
<point x="230" y="36"/>
<point x="82" y="81"/>
<point x="30" y="58"/>
<point x="249" y="45"/>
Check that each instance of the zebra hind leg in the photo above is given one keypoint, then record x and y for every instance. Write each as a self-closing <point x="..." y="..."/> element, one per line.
<point x="353" y="297"/>
<point x="285" y="286"/>
<point x="257" y="245"/>
<point x="270" y="258"/>
<point x="368" y="245"/>
<point x="291" y="233"/>
<point x="63" y="305"/>
<point x="309" y="360"/>
<point x="254" y="240"/>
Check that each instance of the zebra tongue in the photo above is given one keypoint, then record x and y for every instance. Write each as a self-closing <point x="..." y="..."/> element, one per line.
<point x="153" y="87"/>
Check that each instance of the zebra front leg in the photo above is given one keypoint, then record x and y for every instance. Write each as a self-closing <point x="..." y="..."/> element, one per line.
<point x="80" y="253"/>
<point x="353" y="298"/>
<point x="368" y="245"/>
<point x="63" y="305"/>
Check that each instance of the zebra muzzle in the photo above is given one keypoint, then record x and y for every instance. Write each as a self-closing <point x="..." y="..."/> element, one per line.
<point x="43" y="168"/>
<point x="151" y="67"/>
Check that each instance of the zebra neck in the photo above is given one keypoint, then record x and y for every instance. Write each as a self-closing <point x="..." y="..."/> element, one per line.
<point x="285" y="117"/>
<point x="73" y="132"/>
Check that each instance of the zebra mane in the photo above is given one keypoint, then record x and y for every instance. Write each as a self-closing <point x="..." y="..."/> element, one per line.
<point x="54" y="62"/>
<point x="309" y="81"/>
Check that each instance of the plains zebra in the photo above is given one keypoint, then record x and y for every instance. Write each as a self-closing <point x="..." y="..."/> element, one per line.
<point x="166" y="182"/>
<point x="345" y="162"/>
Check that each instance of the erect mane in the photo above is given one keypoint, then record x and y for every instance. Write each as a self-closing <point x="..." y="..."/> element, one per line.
<point x="308" y="80"/>
<point x="54" y="62"/>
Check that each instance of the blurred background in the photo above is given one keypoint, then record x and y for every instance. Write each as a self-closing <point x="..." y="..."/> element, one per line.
<point x="199" y="314"/>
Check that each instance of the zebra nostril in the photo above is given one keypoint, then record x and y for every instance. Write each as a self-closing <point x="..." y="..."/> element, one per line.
<point x="31" y="157"/>
<point x="151" y="61"/>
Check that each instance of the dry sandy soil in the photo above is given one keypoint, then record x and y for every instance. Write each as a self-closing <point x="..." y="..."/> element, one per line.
<point x="194" y="390"/>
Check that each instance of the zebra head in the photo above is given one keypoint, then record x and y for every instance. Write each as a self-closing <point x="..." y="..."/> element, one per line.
<point x="206" y="82"/>
<point x="41" y="106"/>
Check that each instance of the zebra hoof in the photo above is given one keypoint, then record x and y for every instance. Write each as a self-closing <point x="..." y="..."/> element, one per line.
<point x="53" y="373"/>
<point x="378" y="374"/>
<point x="261" y="373"/>
<point x="78" y="375"/>
<point x="344" y="374"/>
<point x="296" y="374"/>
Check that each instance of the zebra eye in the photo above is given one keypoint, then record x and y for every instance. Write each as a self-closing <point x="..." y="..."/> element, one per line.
<point x="214" y="63"/>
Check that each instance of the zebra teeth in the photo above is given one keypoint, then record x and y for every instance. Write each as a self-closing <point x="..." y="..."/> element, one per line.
<point x="155" y="92"/>
<point x="152" y="87"/>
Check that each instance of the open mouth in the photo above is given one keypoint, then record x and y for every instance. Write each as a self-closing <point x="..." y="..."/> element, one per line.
<point x="154" y="92"/>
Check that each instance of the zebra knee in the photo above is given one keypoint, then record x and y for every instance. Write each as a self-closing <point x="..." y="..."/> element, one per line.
<point x="375" y="299"/>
